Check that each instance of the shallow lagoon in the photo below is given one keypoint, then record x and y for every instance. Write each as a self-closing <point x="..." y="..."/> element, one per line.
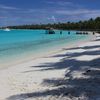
<point x="23" y="44"/>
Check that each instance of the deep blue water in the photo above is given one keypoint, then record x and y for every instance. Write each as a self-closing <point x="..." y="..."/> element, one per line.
<point x="18" y="43"/>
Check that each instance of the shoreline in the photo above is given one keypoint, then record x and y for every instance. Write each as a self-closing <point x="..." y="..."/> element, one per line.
<point x="44" y="78"/>
<point x="53" y="51"/>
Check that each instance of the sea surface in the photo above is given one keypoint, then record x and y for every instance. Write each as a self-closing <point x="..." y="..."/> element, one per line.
<point x="16" y="45"/>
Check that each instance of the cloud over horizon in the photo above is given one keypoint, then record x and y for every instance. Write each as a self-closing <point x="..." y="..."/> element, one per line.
<point x="15" y="13"/>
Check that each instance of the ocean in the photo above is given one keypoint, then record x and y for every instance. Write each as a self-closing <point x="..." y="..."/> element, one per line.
<point x="17" y="45"/>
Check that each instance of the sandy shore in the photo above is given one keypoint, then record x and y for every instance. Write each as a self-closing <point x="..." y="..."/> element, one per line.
<point x="72" y="74"/>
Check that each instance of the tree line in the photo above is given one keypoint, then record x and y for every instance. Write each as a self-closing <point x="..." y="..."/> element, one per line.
<point x="91" y="25"/>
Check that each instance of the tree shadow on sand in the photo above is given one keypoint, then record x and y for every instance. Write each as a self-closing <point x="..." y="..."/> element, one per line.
<point x="87" y="83"/>
<point x="84" y="47"/>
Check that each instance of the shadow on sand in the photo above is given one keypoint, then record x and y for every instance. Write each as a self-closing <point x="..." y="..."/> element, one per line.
<point x="88" y="84"/>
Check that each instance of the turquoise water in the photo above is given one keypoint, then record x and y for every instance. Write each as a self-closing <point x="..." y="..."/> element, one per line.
<point x="17" y="44"/>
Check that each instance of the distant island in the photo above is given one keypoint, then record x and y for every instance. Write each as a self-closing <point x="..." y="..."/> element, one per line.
<point x="87" y="25"/>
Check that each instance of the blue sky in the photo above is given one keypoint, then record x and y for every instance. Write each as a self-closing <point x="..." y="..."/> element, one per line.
<point x="16" y="12"/>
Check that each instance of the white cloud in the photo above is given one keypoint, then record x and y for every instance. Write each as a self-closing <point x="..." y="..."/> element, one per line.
<point x="59" y="3"/>
<point x="52" y="18"/>
<point x="64" y="3"/>
<point x="1" y="17"/>
<point x="92" y="14"/>
<point x="63" y="10"/>
<point x="7" y="7"/>
<point x="77" y="12"/>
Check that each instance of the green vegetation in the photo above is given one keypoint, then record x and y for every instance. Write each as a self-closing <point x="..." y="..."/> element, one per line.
<point x="91" y="25"/>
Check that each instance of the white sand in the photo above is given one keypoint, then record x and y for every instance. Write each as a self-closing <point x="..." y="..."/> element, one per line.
<point x="26" y="78"/>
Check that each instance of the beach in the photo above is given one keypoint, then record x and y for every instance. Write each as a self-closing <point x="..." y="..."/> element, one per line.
<point x="71" y="74"/>
<point x="17" y="46"/>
